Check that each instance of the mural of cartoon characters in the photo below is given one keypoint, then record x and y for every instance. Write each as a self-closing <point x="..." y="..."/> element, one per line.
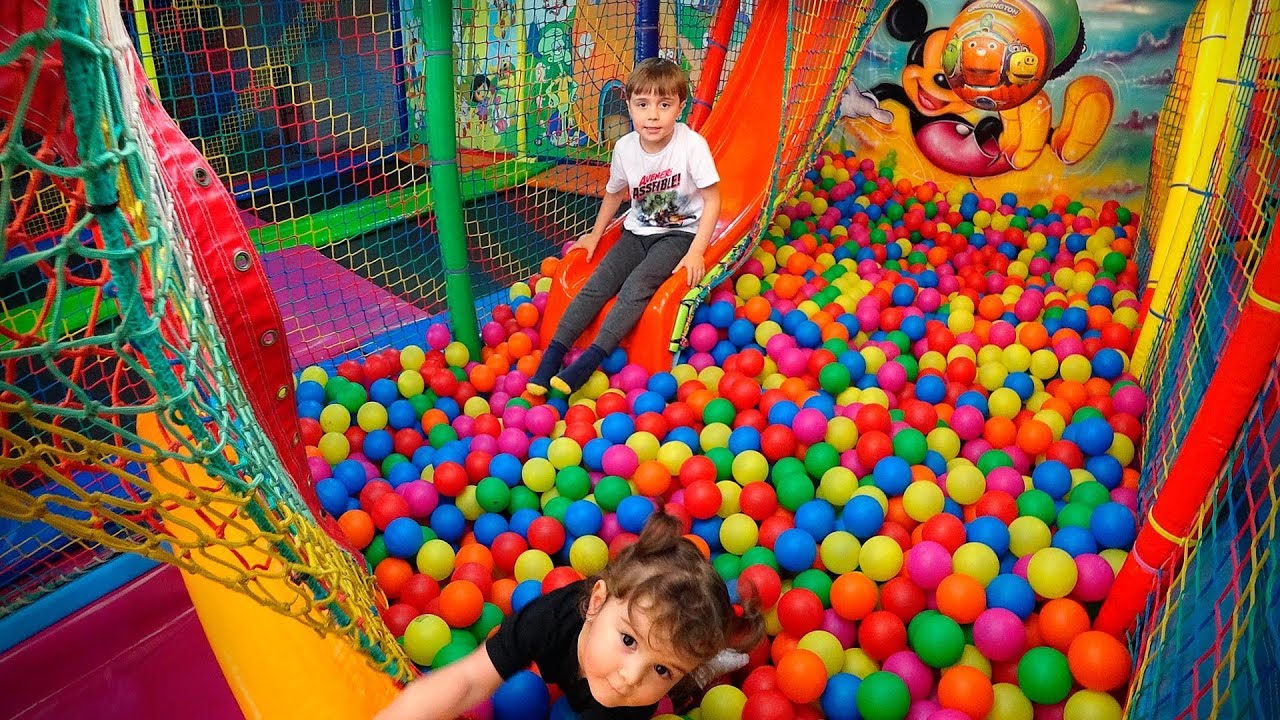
<point x="959" y="137"/>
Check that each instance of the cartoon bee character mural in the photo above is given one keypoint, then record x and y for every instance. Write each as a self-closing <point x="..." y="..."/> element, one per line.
<point x="973" y="91"/>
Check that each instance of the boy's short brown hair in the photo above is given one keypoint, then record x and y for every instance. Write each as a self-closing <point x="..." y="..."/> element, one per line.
<point x="661" y="76"/>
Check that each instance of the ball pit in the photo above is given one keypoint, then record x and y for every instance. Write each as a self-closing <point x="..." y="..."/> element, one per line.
<point x="904" y="427"/>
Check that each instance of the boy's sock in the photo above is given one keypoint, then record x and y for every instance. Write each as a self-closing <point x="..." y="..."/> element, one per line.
<point x="552" y="358"/>
<point x="576" y="375"/>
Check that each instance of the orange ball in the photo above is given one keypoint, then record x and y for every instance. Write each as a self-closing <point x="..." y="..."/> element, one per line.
<point x="854" y="595"/>
<point x="1033" y="335"/>
<point x="519" y="345"/>
<point x="1000" y="432"/>
<point x="1099" y="661"/>
<point x="991" y="307"/>
<point x="528" y="365"/>
<point x="1034" y="437"/>
<point x="527" y="315"/>
<point x="1061" y="621"/>
<point x="966" y="689"/>
<point x="701" y="544"/>
<point x="500" y="595"/>
<point x="782" y="644"/>
<point x="358" y="527"/>
<point x="474" y="553"/>
<point x="802" y="676"/>
<point x="391" y="574"/>
<point x="757" y="310"/>
<point x="652" y="478"/>
<point x="483" y="378"/>
<point x="961" y="598"/>
<point x="461" y="603"/>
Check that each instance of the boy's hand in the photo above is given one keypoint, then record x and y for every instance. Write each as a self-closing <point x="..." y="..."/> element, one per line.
<point x="694" y="266"/>
<point x="588" y="242"/>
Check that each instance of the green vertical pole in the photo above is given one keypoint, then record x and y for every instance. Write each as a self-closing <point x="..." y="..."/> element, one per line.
<point x="446" y="187"/>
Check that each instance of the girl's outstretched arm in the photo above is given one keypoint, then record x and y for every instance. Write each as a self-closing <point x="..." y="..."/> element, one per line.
<point x="446" y="693"/>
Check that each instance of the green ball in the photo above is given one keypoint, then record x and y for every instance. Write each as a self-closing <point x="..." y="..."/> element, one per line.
<point x="428" y="535"/>
<point x="938" y="640"/>
<point x="376" y="552"/>
<point x="1091" y="493"/>
<point x="610" y="491"/>
<point x="451" y="653"/>
<point x="1039" y="210"/>
<point x="352" y="396"/>
<point x="490" y="618"/>
<point x="908" y="362"/>
<point x="899" y="338"/>
<point x="794" y="490"/>
<point x="728" y="566"/>
<point x="883" y="696"/>
<point x="522" y="498"/>
<point x="1044" y="676"/>
<point x="816" y="581"/>
<point x="719" y="411"/>
<point x="442" y="435"/>
<point x="422" y="402"/>
<point x="837" y="347"/>
<point x="1124" y="215"/>
<point x="834" y="378"/>
<point x="557" y="507"/>
<point x="992" y="459"/>
<point x="1115" y="262"/>
<point x="820" y="458"/>
<point x="1085" y="413"/>
<point x="519" y="402"/>
<point x="493" y="495"/>
<point x="723" y="459"/>
<point x="1037" y="503"/>
<point x="1075" y="514"/>
<point x="910" y="445"/>
<point x="335" y="386"/>
<point x="759" y="555"/>
<point x="573" y="482"/>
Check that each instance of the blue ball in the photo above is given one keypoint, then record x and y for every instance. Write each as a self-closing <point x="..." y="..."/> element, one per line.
<point x="351" y="474"/>
<point x="449" y="523"/>
<point x="449" y="407"/>
<point x="720" y="314"/>
<point x="378" y="445"/>
<point x="649" y="401"/>
<point x="686" y="435"/>
<point x="913" y="326"/>
<point x="401" y="415"/>
<point x="593" y="453"/>
<point x="863" y="516"/>
<point x="1108" y="363"/>
<point x="1113" y="526"/>
<point x="583" y="517"/>
<point x="854" y="361"/>
<point x="892" y="474"/>
<point x="403" y="537"/>
<point x="333" y="495"/>
<point x="525" y="593"/>
<point x="425" y="455"/>
<point x="709" y="531"/>
<point x="840" y="698"/>
<point x="402" y="473"/>
<point x="507" y="468"/>
<point x="973" y="398"/>
<point x="1020" y="383"/>
<point x="524" y="696"/>
<point x="617" y="427"/>
<point x="1075" y="541"/>
<point x="310" y="391"/>
<point x="808" y="335"/>
<point x="823" y="403"/>
<point x="795" y="550"/>
<point x="633" y="512"/>
<point x="384" y="392"/>
<point x="1094" y="436"/>
<point x="489" y="526"/>
<point x="521" y="519"/>
<point x="538" y="447"/>
<point x="1052" y="477"/>
<point x="743" y="439"/>
<point x="902" y="295"/>
<point x="989" y="531"/>
<point x="782" y="413"/>
<point x="615" y="361"/>
<point x="664" y="383"/>
<point x="742" y="332"/>
<point x="1012" y="593"/>
<point x="310" y="409"/>
<point x="561" y="710"/>
<point x="1106" y="470"/>
<point x="816" y="517"/>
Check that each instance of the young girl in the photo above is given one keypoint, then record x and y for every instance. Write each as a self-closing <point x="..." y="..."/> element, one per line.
<point x="656" y="617"/>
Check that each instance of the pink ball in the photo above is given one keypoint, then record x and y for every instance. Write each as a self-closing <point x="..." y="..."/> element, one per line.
<point x="492" y="334"/>
<point x="319" y="469"/>
<point x="791" y="362"/>
<point x="514" y="442"/>
<point x="1020" y="567"/>
<point x="541" y="420"/>
<point x="908" y="666"/>
<point x="1130" y="399"/>
<point x="949" y="714"/>
<point x="1006" y="479"/>
<point x="498" y="402"/>
<point x="928" y="300"/>
<point x="421" y="496"/>
<point x="922" y="709"/>
<point x="703" y="337"/>
<point x="809" y="426"/>
<point x="701" y="361"/>
<point x="540" y="302"/>
<point x="967" y="422"/>
<point x="999" y="634"/>
<point x="515" y="382"/>
<point x="1002" y="334"/>
<point x="633" y="377"/>
<point x="620" y="460"/>
<point x="1050" y="712"/>
<point x="485" y="444"/>
<point x="1095" y="578"/>
<point x="609" y="527"/>
<point x="465" y="425"/>
<point x="514" y="417"/>
<point x="776" y="344"/>
<point x="928" y="563"/>
<point x="438" y="336"/>
<point x="1127" y="497"/>
<point x="846" y="631"/>
<point x="891" y="377"/>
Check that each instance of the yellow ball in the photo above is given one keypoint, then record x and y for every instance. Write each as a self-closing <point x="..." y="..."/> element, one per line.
<point x="922" y="500"/>
<point x="966" y="484"/>
<point x="1004" y="403"/>
<point x="715" y="435"/>
<point x="1010" y="704"/>
<point x="881" y="558"/>
<point x="750" y="466"/>
<point x="974" y="658"/>
<point x="314" y="373"/>
<point x="766" y="330"/>
<point x="424" y="637"/>
<point x="874" y="358"/>
<point x="1052" y="573"/>
<point x="334" y="447"/>
<point x="842" y="433"/>
<point x="564" y="452"/>
<point x="410" y="383"/>
<point x="435" y="558"/>
<point x="412" y="357"/>
<point x="588" y="555"/>
<point x="335" y="418"/>
<point x="532" y="565"/>
<point x="1076" y="368"/>
<point x="1092" y="705"/>
<point x="468" y="504"/>
<point x="674" y="455"/>
<point x="1028" y="535"/>
<point x="644" y="444"/>
<point x="827" y="647"/>
<point x="1115" y="557"/>
<point x="730" y="491"/>
<point x="858" y="663"/>
<point x="475" y="406"/>
<point x="739" y="533"/>
<point x="991" y="376"/>
<point x="538" y="474"/>
<point x="1122" y="449"/>
<point x="723" y="702"/>
<point x="543" y="285"/>
<point x="945" y="442"/>
<point x="748" y="286"/>
<point x="976" y="560"/>
<point x="837" y="486"/>
<point x="456" y="354"/>
<point x="1044" y="364"/>
<point x="840" y="551"/>
<point x="520" y="289"/>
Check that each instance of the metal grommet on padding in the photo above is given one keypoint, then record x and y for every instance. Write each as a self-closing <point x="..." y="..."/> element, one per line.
<point x="201" y="176"/>
<point x="283" y="392"/>
<point x="241" y="260"/>
<point x="268" y="338"/>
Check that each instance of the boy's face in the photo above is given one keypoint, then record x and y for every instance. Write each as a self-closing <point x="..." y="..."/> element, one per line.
<point x="654" y="117"/>
<point x="624" y="663"/>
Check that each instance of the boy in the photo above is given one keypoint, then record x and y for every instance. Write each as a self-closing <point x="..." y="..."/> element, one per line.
<point x="675" y="202"/>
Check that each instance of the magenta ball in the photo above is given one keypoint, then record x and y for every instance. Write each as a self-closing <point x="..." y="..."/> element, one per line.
<point x="701" y="361"/>
<point x="465" y="425"/>
<point x="498" y="402"/>
<point x="703" y="337"/>
<point x="792" y="362"/>
<point x="891" y="377"/>
<point x="438" y="337"/>
<point x="1006" y="479"/>
<point x="1020" y="567"/>
<point x="1095" y="578"/>
<point x="513" y="441"/>
<point x="928" y="563"/>
<point x="846" y="631"/>
<point x="620" y="460"/>
<point x="1001" y="334"/>
<point x="999" y="634"/>
<point x="421" y="496"/>
<point x="967" y="422"/>
<point x="908" y="666"/>
<point x="1130" y="399"/>
<point x="485" y="444"/>
<point x="609" y="527"/>
<point x="515" y="417"/>
<point x="318" y="468"/>
<point x="949" y="714"/>
<point x="541" y="420"/>
<point x="633" y="377"/>
<point x="1050" y="712"/>
<point x="809" y="426"/>
<point x="492" y="334"/>
<point x="922" y="709"/>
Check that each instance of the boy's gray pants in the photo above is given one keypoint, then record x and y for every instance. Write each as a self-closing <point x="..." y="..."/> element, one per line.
<point x="633" y="269"/>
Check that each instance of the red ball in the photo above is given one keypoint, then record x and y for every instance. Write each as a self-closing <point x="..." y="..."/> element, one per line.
<point x="945" y="529"/>
<point x="546" y="534"/>
<point x="371" y="491"/>
<point x="698" y="467"/>
<point x="477" y="465"/>
<point x="920" y="415"/>
<point x="450" y="479"/>
<point x="761" y="679"/>
<point x="702" y="499"/>
<point x="390" y="506"/>
<point x="762" y="582"/>
<point x="751" y="418"/>
<point x="621" y="542"/>
<point x="678" y="414"/>
<point x="398" y="616"/>
<point x="419" y="590"/>
<point x="771" y="527"/>
<point x="998" y="504"/>
<point x="777" y="442"/>
<point x="376" y="367"/>
<point x="579" y="414"/>
<point x="1067" y="453"/>
<point x="355" y="438"/>
<point x="897" y="533"/>
<point x="581" y="433"/>
<point x="750" y="362"/>
<point x="506" y="548"/>
<point x="476" y="574"/>
<point x="351" y="370"/>
<point x="800" y="612"/>
<point x="903" y="598"/>
<point x="406" y="441"/>
<point x="653" y="423"/>
<point x="768" y="705"/>
<point x="487" y="424"/>
<point x="872" y="417"/>
<point x="610" y="403"/>
<point x="311" y="431"/>
<point x="443" y="383"/>
<point x="873" y="446"/>
<point x="559" y="577"/>
<point x="758" y="501"/>
<point x="882" y="634"/>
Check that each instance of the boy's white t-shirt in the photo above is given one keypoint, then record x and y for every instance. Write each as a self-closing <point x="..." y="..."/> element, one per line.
<point x="666" y="185"/>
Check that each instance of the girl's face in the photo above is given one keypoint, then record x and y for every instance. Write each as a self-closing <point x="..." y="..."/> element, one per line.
<point x="624" y="662"/>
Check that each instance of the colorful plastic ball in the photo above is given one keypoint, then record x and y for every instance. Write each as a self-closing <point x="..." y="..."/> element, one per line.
<point x="999" y="634"/>
<point x="765" y="705"/>
<point x="1099" y="661"/>
<point x="840" y="552"/>
<point x="1052" y="573"/>
<point x="883" y="696"/>
<point x="423" y="638"/>
<point x="960" y="597"/>
<point x="936" y="638"/>
<point x="966" y="689"/>
<point x="588" y="555"/>
<point x="1044" y="676"/>
<point x="928" y="563"/>
<point x="799" y="611"/>
<point x="403" y="537"/>
<point x="435" y="559"/>
<point x="1113" y="526"/>
<point x="907" y="665"/>
<point x="881" y="558"/>
<point x="532" y="565"/>
<point x="1008" y="703"/>
<point x="524" y="696"/>
<point x="461" y="603"/>
<point x="1092" y="705"/>
<point x="839" y="699"/>
<point x="827" y="647"/>
<point x="802" y="676"/>
<point x="796" y="550"/>
<point x="723" y="702"/>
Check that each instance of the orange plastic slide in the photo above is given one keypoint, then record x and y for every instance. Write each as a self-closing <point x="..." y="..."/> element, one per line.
<point x="743" y="131"/>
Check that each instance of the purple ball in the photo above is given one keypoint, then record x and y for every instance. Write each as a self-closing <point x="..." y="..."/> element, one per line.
<point x="908" y="666"/>
<point x="421" y="496"/>
<point x="928" y="563"/>
<point x="999" y="634"/>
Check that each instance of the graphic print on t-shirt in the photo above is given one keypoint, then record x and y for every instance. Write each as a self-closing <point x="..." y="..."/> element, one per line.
<point x="656" y="200"/>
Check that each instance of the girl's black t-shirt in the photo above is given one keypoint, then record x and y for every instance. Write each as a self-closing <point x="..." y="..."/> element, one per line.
<point x="546" y="632"/>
